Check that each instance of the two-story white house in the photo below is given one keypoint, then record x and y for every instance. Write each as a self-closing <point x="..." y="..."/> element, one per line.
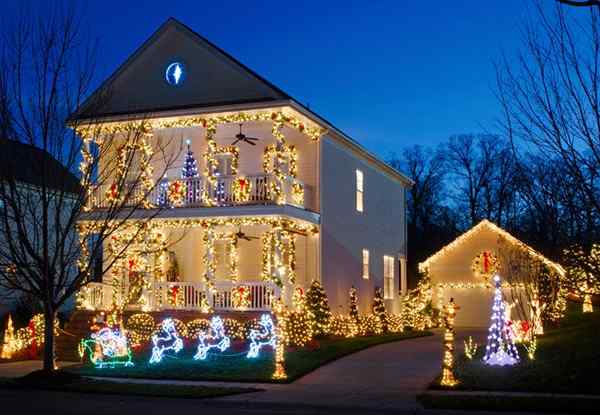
<point x="298" y="200"/>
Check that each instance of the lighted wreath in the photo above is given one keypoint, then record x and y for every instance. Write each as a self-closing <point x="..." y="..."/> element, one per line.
<point x="241" y="189"/>
<point x="176" y="193"/>
<point x="112" y="194"/>
<point x="485" y="265"/>
<point x="240" y="296"/>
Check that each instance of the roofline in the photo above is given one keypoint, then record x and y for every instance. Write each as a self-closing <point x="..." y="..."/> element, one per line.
<point x="287" y="100"/>
<point x="148" y="42"/>
<point x="485" y="222"/>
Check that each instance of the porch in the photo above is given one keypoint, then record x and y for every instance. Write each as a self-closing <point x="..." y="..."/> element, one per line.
<point x="224" y="191"/>
<point x="205" y="264"/>
<point x="184" y="296"/>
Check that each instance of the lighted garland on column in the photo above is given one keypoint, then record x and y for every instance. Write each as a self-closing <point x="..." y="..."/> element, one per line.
<point x="281" y="340"/>
<point x="209" y="257"/>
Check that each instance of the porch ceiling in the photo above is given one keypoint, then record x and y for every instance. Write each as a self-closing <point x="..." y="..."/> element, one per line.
<point x="217" y="212"/>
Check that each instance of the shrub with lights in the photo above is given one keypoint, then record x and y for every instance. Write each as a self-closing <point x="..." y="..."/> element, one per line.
<point x="197" y="326"/>
<point x="316" y="300"/>
<point x="379" y="309"/>
<point x="353" y="294"/>
<point x="299" y="322"/>
<point x="140" y="328"/>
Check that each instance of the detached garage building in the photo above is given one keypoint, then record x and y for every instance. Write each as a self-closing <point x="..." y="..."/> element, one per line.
<point x="463" y="269"/>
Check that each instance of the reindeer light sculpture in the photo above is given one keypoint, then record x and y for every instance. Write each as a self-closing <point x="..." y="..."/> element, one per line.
<point x="213" y="338"/>
<point x="263" y="337"/>
<point x="167" y="339"/>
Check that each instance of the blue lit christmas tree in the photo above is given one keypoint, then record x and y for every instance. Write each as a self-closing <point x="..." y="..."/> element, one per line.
<point x="500" y="349"/>
<point x="190" y="166"/>
<point x="162" y="199"/>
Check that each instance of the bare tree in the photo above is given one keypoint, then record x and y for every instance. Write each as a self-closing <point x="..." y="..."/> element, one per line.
<point x="550" y="93"/>
<point x="582" y="3"/>
<point x="49" y="237"/>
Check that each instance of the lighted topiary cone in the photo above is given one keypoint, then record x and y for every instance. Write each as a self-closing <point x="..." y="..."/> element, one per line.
<point x="316" y="300"/>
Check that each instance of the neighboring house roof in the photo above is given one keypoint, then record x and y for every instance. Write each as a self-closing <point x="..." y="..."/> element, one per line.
<point x="487" y="225"/>
<point x="28" y="164"/>
<point x="218" y="80"/>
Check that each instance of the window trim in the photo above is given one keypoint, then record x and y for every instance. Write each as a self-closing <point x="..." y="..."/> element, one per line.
<point x="360" y="191"/>
<point x="366" y="264"/>
<point x="389" y="277"/>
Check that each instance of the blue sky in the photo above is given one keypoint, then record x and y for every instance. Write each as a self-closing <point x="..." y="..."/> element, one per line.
<point x="389" y="73"/>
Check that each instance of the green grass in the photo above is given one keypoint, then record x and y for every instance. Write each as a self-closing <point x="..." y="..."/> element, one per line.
<point x="85" y="385"/>
<point x="567" y="361"/>
<point x="233" y="365"/>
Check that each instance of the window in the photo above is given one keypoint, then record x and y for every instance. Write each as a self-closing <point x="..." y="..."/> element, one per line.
<point x="220" y="253"/>
<point x="359" y="190"/>
<point x="224" y="164"/>
<point x="365" y="267"/>
<point x="388" y="277"/>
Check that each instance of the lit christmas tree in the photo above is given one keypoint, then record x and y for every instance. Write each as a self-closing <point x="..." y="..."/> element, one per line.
<point x="9" y="346"/>
<point x="163" y="193"/>
<point x="379" y="309"/>
<point x="353" y="304"/>
<point x="316" y="300"/>
<point x="190" y="166"/>
<point x="500" y="349"/>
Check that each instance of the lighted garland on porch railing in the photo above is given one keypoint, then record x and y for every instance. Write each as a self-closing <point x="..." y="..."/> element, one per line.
<point x="209" y="257"/>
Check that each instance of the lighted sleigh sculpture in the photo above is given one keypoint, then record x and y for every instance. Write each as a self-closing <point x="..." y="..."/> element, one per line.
<point x="167" y="340"/>
<point x="264" y="337"/>
<point x="107" y="348"/>
<point x="213" y="338"/>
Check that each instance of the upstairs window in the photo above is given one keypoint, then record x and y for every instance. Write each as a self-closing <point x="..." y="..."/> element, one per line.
<point x="388" y="277"/>
<point x="359" y="190"/>
<point x="365" y="264"/>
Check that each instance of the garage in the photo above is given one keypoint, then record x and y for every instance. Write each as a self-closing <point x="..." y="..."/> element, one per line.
<point x="463" y="270"/>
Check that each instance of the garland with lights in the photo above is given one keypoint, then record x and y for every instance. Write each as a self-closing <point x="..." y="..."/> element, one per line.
<point x="240" y="297"/>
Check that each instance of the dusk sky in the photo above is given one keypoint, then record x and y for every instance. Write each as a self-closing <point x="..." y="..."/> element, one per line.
<point x="389" y="74"/>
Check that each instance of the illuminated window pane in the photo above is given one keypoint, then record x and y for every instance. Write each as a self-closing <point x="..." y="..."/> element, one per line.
<point x="388" y="277"/>
<point x="365" y="264"/>
<point x="359" y="190"/>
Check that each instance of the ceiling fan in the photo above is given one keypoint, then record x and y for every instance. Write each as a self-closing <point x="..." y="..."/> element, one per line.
<point x="243" y="137"/>
<point x="242" y="235"/>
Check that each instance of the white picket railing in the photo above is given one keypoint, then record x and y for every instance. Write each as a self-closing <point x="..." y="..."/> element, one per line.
<point x="192" y="296"/>
<point x="221" y="192"/>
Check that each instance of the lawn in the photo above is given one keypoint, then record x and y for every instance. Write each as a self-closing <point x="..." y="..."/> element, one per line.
<point x="567" y="361"/>
<point x="232" y="365"/>
<point x="85" y="385"/>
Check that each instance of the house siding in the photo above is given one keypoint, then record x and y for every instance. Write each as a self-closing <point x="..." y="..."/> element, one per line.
<point x="346" y="232"/>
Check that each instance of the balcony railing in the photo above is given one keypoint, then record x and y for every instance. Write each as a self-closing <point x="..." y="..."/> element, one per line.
<point x="191" y="296"/>
<point x="226" y="191"/>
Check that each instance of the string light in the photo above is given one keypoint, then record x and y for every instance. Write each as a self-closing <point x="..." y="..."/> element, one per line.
<point x="280" y="340"/>
<point x="167" y="339"/>
<point x="500" y="349"/>
<point x="140" y="328"/>
<point x="214" y="338"/>
<point x="107" y="348"/>
<point x="299" y="321"/>
<point x="470" y="348"/>
<point x="316" y="300"/>
<point x="448" y="378"/>
<point x="9" y="345"/>
<point x="265" y="336"/>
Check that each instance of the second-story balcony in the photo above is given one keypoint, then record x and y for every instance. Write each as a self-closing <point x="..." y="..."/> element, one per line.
<point x="259" y="189"/>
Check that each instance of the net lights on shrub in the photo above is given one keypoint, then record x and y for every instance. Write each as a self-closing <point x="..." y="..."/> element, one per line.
<point x="500" y="349"/>
<point x="167" y="339"/>
<point x="107" y="348"/>
<point x="214" y="338"/>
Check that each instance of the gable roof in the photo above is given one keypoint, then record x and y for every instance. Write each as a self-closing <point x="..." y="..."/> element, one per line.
<point x="27" y="164"/>
<point x="486" y="224"/>
<point x="214" y="78"/>
<point x="239" y="86"/>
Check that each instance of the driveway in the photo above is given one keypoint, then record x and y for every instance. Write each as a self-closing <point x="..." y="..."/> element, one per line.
<point x="384" y="377"/>
<point x="388" y="376"/>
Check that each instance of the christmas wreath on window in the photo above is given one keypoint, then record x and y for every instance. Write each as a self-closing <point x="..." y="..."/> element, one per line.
<point x="485" y="265"/>
<point x="240" y="297"/>
<point x="176" y="193"/>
